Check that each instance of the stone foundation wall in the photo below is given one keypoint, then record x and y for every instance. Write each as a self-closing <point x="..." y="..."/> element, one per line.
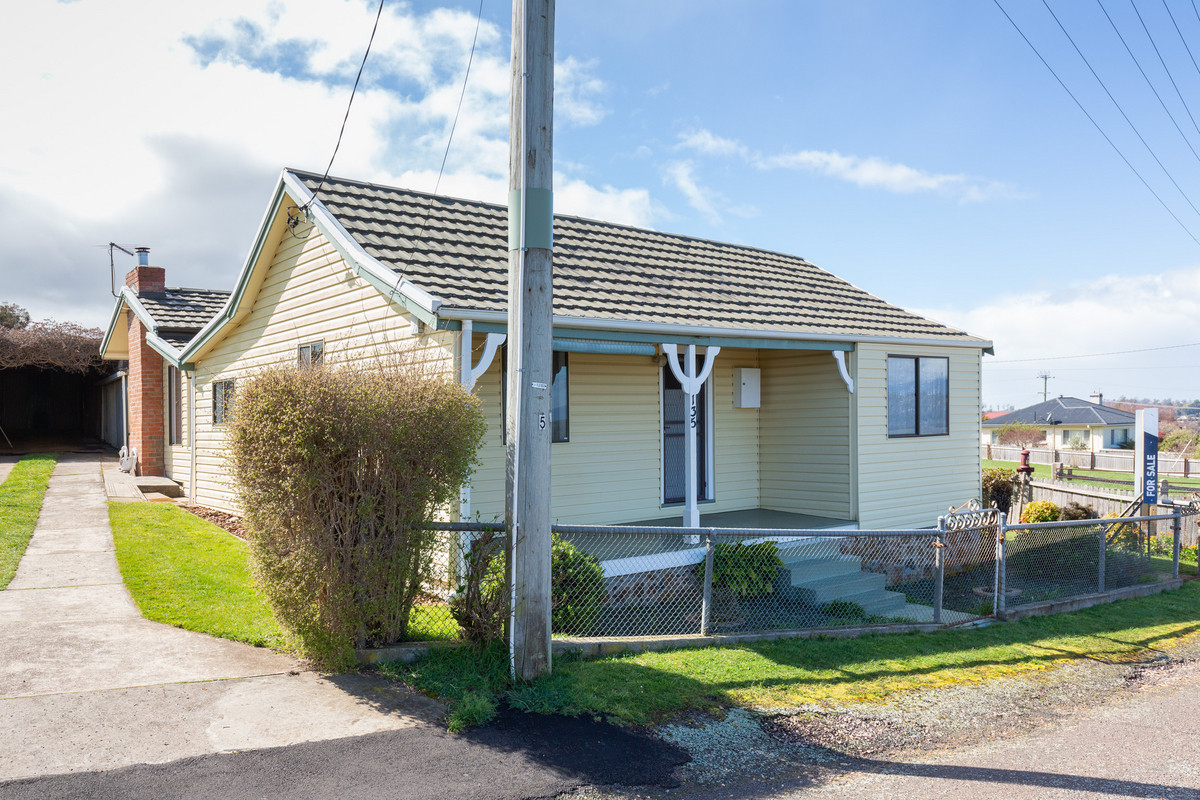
<point x="651" y="588"/>
<point x="911" y="558"/>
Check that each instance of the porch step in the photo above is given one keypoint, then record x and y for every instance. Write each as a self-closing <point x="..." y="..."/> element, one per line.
<point x="157" y="497"/>
<point x="840" y="587"/>
<point x="806" y="550"/>
<point x="150" y="484"/>
<point x="819" y="569"/>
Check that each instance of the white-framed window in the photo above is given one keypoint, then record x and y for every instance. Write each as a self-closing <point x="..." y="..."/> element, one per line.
<point x="918" y="396"/>
<point x="675" y="416"/>
<point x="174" y="406"/>
<point x="560" y="397"/>
<point x="310" y="354"/>
<point x="222" y="401"/>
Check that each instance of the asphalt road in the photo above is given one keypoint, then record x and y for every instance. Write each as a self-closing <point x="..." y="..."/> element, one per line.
<point x="517" y="757"/>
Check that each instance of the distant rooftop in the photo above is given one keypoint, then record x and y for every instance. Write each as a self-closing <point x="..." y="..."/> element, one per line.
<point x="1064" y="411"/>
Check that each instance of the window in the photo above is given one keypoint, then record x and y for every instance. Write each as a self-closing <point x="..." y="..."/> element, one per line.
<point x="918" y="396"/>
<point x="560" y="406"/>
<point x="222" y="401"/>
<point x="310" y="355"/>
<point x="1118" y="437"/>
<point x="174" y="406"/>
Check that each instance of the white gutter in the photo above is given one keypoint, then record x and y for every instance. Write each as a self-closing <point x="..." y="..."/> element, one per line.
<point x="334" y="230"/>
<point x="668" y="329"/>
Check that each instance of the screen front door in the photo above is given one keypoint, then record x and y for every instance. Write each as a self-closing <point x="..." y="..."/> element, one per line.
<point x="674" y="446"/>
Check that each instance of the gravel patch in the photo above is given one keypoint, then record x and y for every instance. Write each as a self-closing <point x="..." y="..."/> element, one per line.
<point x="229" y="522"/>
<point x="756" y="754"/>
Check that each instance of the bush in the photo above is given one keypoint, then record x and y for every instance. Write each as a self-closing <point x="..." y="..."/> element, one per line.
<point x="1075" y="510"/>
<point x="998" y="487"/>
<point x="340" y="472"/>
<point x="1126" y="535"/>
<point x="747" y="570"/>
<point x="577" y="591"/>
<point x="1040" y="511"/>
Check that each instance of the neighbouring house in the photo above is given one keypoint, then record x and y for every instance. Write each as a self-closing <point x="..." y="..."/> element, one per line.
<point x="816" y="403"/>
<point x="1070" y="423"/>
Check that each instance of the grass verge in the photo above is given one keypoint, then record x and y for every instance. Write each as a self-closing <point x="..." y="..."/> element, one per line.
<point x="186" y="572"/>
<point x="645" y="688"/>
<point x="20" y="503"/>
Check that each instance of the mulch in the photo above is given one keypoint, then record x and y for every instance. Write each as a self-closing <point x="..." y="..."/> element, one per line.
<point x="228" y="522"/>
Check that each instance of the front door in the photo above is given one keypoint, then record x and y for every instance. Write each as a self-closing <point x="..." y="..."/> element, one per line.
<point x="674" y="447"/>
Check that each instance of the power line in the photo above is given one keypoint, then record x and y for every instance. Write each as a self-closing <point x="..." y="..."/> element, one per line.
<point x="1185" y="44"/>
<point x="1133" y="127"/>
<point x="1150" y="83"/>
<point x="345" y="118"/>
<point x="1166" y="69"/>
<point x="1095" y="124"/>
<point x="1094" y="355"/>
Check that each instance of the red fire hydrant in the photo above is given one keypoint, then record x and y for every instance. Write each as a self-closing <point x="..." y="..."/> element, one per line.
<point x="1025" y="468"/>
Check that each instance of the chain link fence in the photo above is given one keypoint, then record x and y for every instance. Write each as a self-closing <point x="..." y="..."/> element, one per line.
<point x="643" y="581"/>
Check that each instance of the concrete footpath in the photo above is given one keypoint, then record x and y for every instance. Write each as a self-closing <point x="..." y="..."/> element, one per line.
<point x="87" y="684"/>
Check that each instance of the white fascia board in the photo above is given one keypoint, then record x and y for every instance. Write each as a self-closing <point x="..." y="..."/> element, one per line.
<point x="667" y="329"/>
<point x="112" y="321"/>
<point x="353" y="252"/>
<point x="162" y="347"/>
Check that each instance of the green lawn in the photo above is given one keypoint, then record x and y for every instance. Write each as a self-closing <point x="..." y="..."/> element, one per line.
<point x="648" y="687"/>
<point x="186" y="572"/>
<point x="1042" y="472"/>
<point x="20" y="503"/>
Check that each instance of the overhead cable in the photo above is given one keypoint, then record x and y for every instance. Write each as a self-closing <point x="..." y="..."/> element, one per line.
<point x="1093" y="355"/>
<point x="1167" y="69"/>
<point x="1095" y="124"/>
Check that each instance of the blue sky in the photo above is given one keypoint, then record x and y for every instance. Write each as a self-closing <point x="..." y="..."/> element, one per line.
<point x="918" y="149"/>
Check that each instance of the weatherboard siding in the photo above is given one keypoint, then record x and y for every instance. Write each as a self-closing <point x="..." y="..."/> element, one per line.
<point x="611" y="469"/>
<point x="909" y="482"/>
<point x="806" y="443"/>
<point x="308" y="294"/>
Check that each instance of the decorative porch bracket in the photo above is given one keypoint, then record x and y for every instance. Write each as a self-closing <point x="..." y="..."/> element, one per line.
<point x="840" y="357"/>
<point x="691" y="383"/>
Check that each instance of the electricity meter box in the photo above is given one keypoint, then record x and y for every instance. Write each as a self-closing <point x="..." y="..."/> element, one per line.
<point x="746" y="387"/>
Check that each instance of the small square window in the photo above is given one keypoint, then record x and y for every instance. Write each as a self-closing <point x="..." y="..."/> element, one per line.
<point x="222" y="401"/>
<point x="310" y="354"/>
<point x="918" y="396"/>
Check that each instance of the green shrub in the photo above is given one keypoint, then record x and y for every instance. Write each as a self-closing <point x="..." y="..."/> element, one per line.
<point x="577" y="588"/>
<point x="747" y="570"/>
<point x="998" y="487"/>
<point x="1040" y="511"/>
<point x="1126" y="535"/>
<point x="340" y="472"/>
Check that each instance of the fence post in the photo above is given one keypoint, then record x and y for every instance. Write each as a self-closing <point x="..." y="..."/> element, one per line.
<point x="998" y="581"/>
<point x="939" y="569"/>
<point x="1103" y="537"/>
<point x="706" y="604"/>
<point x="1177" y="537"/>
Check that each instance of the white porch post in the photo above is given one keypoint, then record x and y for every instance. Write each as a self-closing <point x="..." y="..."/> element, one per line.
<point x="691" y="383"/>
<point x="468" y="374"/>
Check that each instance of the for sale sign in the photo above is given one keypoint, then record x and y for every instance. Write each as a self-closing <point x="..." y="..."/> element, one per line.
<point x="1146" y="475"/>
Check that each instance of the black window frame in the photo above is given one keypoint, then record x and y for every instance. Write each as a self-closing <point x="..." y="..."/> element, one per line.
<point x="310" y="354"/>
<point x="918" y="434"/>
<point x="223" y="394"/>
<point x="560" y="426"/>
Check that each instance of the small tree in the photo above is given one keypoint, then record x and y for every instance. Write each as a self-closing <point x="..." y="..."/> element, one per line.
<point x="340" y="472"/>
<point x="1020" y="434"/>
<point x="13" y="317"/>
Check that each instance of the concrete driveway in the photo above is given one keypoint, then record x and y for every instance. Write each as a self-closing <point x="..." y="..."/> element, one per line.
<point x="87" y="684"/>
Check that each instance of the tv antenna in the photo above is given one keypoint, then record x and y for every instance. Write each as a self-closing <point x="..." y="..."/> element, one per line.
<point x="112" y="267"/>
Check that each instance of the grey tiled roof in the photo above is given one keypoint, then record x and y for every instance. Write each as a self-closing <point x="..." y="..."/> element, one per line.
<point x="457" y="250"/>
<point x="180" y="313"/>
<point x="1065" y="411"/>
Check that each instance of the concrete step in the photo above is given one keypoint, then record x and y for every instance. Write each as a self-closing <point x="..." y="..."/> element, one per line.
<point x="839" y="587"/>
<point x="153" y="483"/>
<point x="808" y="550"/>
<point x="819" y="569"/>
<point x="157" y="497"/>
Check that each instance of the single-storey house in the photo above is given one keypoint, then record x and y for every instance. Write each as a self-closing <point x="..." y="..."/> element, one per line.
<point x="1070" y="423"/>
<point x="817" y="404"/>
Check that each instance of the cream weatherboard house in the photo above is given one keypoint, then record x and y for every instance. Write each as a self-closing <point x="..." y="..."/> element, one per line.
<point x="817" y="404"/>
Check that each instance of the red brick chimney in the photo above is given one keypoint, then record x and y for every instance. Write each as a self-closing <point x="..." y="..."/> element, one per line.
<point x="147" y="433"/>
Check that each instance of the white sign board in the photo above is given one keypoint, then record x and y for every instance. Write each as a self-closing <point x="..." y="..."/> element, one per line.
<point x="1145" y="472"/>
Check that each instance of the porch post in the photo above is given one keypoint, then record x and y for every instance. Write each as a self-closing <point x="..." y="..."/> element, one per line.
<point x="691" y="383"/>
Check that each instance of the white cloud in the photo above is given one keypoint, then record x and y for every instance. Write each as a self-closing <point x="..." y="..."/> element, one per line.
<point x="680" y="175"/>
<point x="708" y="143"/>
<point x="875" y="173"/>
<point x="170" y="132"/>
<point x="1109" y="314"/>
<point x="577" y="92"/>
<point x="627" y="206"/>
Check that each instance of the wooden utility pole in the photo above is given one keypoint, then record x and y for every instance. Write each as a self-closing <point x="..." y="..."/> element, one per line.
<point x="530" y="292"/>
